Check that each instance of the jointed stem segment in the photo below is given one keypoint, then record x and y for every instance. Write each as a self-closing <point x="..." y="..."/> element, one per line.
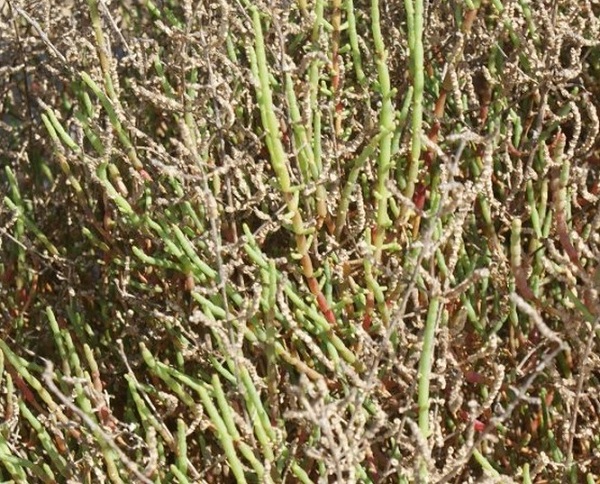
<point x="280" y="162"/>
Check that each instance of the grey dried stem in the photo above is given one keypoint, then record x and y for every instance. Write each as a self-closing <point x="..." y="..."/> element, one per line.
<point x="299" y="241"/>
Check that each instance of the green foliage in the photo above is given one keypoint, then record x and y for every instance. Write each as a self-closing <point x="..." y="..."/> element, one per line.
<point x="350" y="241"/>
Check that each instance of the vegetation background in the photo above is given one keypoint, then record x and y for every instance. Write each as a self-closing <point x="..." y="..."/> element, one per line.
<point x="299" y="241"/>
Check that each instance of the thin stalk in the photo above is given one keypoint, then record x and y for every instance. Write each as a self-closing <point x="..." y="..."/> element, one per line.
<point x="280" y="162"/>
<point x="386" y="121"/>
<point x="105" y="64"/>
<point x="350" y="186"/>
<point x="314" y="130"/>
<point x="425" y="365"/>
<point x="336" y="19"/>
<point x="384" y="163"/>
<point x="353" y="38"/>
<point x="415" y="13"/>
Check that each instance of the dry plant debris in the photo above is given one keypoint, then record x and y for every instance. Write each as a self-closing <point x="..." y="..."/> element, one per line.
<point x="299" y="241"/>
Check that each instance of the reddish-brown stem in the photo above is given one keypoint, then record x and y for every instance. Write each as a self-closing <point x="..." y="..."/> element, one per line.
<point x="322" y="303"/>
